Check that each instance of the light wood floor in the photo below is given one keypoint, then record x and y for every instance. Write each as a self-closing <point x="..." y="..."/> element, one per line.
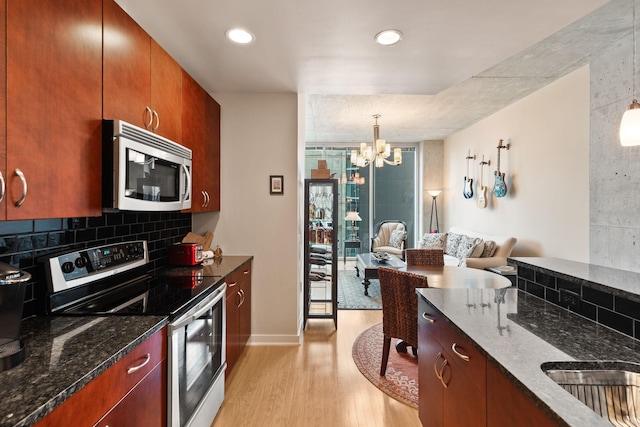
<point x="314" y="384"/>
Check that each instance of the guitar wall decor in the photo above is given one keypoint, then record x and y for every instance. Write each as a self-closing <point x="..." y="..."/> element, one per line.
<point x="481" y="201"/>
<point x="467" y="192"/>
<point x="500" y="186"/>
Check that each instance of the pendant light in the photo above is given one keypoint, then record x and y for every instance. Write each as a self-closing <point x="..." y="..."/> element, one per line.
<point x="630" y="124"/>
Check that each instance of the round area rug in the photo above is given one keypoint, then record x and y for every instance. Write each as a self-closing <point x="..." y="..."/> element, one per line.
<point x="401" y="379"/>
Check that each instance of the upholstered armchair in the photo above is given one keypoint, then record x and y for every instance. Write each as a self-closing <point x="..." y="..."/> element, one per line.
<point x="390" y="237"/>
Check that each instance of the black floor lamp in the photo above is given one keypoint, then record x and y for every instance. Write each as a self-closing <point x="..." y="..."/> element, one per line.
<point x="434" y="209"/>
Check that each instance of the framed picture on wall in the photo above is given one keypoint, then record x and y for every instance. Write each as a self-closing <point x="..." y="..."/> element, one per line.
<point x="276" y="184"/>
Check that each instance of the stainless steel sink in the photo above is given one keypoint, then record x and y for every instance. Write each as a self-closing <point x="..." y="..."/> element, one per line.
<point x="610" y="388"/>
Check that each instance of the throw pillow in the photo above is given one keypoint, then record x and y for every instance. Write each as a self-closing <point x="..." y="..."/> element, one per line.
<point x="396" y="239"/>
<point x="466" y="246"/>
<point x="433" y="241"/>
<point x="489" y="249"/>
<point x="453" y="240"/>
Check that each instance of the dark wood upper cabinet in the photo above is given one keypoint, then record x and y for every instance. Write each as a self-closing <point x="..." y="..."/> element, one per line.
<point x="53" y="101"/>
<point x="3" y="106"/>
<point x="201" y="133"/>
<point x="140" y="78"/>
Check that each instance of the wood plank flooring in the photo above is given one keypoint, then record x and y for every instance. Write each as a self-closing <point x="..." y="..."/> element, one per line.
<point x="314" y="384"/>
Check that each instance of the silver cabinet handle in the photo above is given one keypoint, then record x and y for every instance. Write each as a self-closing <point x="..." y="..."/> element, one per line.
<point x="208" y="199"/>
<point x="204" y="199"/>
<point x="147" y="358"/>
<point x="24" y="188"/>
<point x="426" y="317"/>
<point x="147" y="109"/>
<point x="435" y="365"/>
<point x="460" y="355"/>
<point x="231" y="285"/>
<point x="444" y="365"/>
<point x="241" y="293"/>
<point x="155" y="114"/>
<point x="245" y="272"/>
<point x="2" y="186"/>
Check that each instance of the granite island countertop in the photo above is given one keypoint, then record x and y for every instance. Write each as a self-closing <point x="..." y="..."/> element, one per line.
<point x="524" y="331"/>
<point x="63" y="354"/>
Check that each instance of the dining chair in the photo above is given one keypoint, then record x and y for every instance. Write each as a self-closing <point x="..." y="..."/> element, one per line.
<point x="399" y="309"/>
<point x="424" y="256"/>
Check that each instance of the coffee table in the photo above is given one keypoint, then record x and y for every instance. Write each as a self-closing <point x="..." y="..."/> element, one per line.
<point x="368" y="265"/>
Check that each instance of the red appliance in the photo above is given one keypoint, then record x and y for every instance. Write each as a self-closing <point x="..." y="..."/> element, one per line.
<point x="185" y="254"/>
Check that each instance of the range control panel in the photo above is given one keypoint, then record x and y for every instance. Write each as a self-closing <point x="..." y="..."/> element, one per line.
<point x="83" y="266"/>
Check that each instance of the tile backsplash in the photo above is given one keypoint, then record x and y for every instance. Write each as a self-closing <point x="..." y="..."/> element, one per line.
<point x="23" y="242"/>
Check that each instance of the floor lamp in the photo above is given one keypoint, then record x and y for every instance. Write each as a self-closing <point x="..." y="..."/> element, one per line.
<point x="434" y="208"/>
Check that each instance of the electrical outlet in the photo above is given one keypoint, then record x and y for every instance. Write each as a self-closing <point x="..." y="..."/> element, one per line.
<point x="570" y="300"/>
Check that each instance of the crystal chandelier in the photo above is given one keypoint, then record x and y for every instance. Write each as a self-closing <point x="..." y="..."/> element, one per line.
<point x="382" y="151"/>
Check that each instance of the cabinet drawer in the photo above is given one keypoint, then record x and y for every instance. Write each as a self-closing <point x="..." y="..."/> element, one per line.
<point x="93" y="401"/>
<point x="465" y="356"/>
<point x="430" y="319"/>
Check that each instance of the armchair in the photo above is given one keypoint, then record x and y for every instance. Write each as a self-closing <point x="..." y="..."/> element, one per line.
<point x="391" y="237"/>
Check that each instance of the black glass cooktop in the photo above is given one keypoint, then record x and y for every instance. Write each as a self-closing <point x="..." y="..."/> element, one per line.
<point x="166" y="292"/>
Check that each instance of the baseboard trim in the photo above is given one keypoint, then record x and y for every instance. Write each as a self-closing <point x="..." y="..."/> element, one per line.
<point x="275" y="340"/>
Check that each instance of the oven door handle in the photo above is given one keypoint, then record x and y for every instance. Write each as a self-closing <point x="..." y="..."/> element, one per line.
<point x="199" y="310"/>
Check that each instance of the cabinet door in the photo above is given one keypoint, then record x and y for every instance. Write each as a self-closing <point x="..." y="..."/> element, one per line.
<point x="464" y="403"/>
<point x="233" y="326"/>
<point x="3" y="105"/>
<point x="127" y="67"/>
<point x="166" y="93"/>
<point x="245" y="306"/>
<point x="145" y="405"/>
<point x="54" y="99"/>
<point x="211" y="179"/>
<point x="507" y="406"/>
<point x="193" y="136"/>
<point x="431" y="390"/>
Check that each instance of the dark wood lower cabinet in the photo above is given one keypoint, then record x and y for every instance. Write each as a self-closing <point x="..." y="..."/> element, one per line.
<point x="238" y="305"/>
<point x="455" y="392"/>
<point x="508" y="406"/>
<point x="118" y="397"/>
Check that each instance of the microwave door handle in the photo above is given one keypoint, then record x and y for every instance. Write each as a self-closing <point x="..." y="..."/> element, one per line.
<point x="188" y="176"/>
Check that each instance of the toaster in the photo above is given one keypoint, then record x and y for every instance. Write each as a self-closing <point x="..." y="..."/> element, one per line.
<point x="185" y="254"/>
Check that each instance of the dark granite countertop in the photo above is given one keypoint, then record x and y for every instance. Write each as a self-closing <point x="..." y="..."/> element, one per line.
<point x="219" y="267"/>
<point x="611" y="280"/>
<point x="62" y="355"/>
<point x="523" y="332"/>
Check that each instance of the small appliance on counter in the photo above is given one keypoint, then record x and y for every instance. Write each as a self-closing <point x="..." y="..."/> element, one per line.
<point x="185" y="254"/>
<point x="12" y="285"/>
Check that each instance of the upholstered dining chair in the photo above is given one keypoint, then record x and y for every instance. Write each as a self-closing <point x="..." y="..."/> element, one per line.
<point x="399" y="309"/>
<point x="424" y="257"/>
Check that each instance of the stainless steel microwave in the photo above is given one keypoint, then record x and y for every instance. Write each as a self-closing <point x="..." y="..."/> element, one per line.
<point x="142" y="171"/>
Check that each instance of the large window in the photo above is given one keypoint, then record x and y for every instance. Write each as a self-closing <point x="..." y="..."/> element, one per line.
<point x="387" y="193"/>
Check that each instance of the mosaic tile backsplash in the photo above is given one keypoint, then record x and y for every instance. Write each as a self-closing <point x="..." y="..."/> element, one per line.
<point x="23" y="242"/>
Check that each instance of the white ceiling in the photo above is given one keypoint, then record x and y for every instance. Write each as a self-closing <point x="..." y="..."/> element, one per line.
<point x="459" y="61"/>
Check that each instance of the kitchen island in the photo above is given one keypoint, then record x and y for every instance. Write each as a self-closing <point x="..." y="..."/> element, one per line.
<point x="516" y="333"/>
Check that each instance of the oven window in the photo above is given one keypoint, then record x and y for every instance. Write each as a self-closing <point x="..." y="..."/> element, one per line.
<point x="151" y="178"/>
<point x="200" y="359"/>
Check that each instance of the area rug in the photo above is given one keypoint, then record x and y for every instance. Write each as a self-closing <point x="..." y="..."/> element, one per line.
<point x="351" y="292"/>
<point x="401" y="379"/>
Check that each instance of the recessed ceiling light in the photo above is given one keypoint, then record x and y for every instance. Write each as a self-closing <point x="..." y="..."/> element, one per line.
<point x="238" y="35"/>
<point x="388" y="37"/>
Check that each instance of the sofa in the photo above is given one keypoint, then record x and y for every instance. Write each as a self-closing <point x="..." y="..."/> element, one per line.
<point x="467" y="248"/>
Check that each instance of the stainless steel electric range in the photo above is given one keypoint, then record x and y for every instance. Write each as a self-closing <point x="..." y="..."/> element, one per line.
<point x="113" y="280"/>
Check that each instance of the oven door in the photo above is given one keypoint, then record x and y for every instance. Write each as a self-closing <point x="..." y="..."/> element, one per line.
<point x="150" y="179"/>
<point x="197" y="362"/>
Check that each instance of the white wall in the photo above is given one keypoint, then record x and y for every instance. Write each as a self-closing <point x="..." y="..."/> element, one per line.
<point x="547" y="171"/>
<point x="259" y="138"/>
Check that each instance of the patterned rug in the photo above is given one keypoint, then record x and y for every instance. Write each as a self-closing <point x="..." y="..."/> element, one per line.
<point x="351" y="292"/>
<point x="401" y="379"/>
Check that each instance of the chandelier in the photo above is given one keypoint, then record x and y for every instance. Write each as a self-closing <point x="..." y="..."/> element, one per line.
<point x="382" y="151"/>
